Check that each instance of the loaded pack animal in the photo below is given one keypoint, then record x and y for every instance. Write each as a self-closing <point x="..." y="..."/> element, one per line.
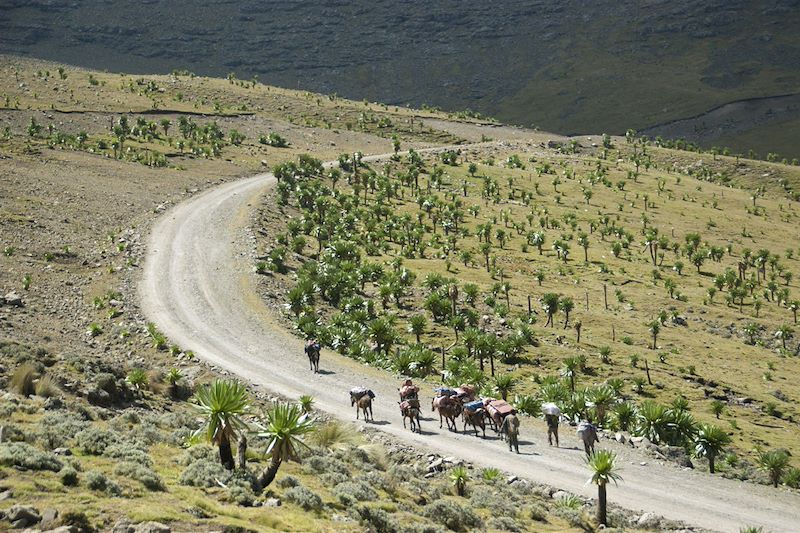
<point x="473" y="414"/>
<point x="313" y="349"/>
<point x="409" y="409"/>
<point x="409" y="405"/>
<point x="362" y="400"/>
<point x="449" y="408"/>
<point x="496" y="411"/>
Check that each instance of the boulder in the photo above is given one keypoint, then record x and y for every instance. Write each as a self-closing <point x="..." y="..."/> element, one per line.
<point x="272" y="502"/>
<point x="619" y="437"/>
<point x="64" y="529"/>
<point x="49" y="516"/>
<point x="649" y="520"/>
<point x="152" y="527"/>
<point x="13" y="299"/>
<point x="23" y="516"/>
<point x="435" y="466"/>
<point x="6" y="495"/>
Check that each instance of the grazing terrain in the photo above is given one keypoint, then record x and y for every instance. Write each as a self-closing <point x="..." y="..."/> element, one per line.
<point x="99" y="404"/>
<point x="572" y="67"/>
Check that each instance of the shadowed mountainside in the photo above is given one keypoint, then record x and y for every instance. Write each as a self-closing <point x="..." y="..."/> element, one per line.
<point x="567" y="66"/>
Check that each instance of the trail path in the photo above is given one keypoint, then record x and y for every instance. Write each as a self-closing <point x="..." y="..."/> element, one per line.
<point x="198" y="286"/>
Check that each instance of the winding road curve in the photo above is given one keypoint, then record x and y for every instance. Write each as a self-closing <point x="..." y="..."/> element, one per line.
<point x="198" y="286"/>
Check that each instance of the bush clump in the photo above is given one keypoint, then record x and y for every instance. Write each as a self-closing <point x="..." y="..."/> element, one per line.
<point x="68" y="476"/>
<point x="98" y="481"/>
<point x="203" y="473"/>
<point x="504" y="523"/>
<point x="305" y="498"/>
<point x="288" y="482"/>
<point x="355" y="489"/>
<point x="452" y="515"/>
<point x="26" y="456"/>
<point x="94" y="440"/>
<point x="56" y="429"/>
<point x="376" y="519"/>
<point x="140" y="473"/>
<point x="128" y="452"/>
<point x="240" y="489"/>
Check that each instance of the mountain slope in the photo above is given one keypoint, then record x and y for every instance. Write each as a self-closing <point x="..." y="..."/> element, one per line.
<point x="568" y="66"/>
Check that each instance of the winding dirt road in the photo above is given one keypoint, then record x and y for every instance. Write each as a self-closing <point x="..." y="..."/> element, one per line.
<point x="198" y="286"/>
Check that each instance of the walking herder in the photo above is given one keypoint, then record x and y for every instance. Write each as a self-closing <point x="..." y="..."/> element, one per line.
<point x="510" y="427"/>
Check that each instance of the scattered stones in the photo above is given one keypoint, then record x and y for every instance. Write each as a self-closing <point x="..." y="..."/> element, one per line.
<point x="123" y="526"/>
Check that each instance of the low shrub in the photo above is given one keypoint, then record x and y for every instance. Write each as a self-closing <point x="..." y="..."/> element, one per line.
<point x="204" y="473"/>
<point x="195" y="453"/>
<point x="96" y="480"/>
<point x="240" y="489"/>
<point x="504" y="523"/>
<point x="141" y="473"/>
<point x="319" y="464"/>
<point x="68" y="476"/>
<point x="358" y="490"/>
<point x="26" y="456"/>
<point x="305" y="498"/>
<point x="57" y="429"/>
<point x="452" y="515"/>
<point x="77" y="520"/>
<point x="334" y="478"/>
<point x="94" y="440"/>
<point x="23" y="380"/>
<point x="792" y="478"/>
<point x="288" y="482"/>
<point x="538" y="512"/>
<point x="47" y="387"/>
<point x="376" y="519"/>
<point x="125" y="451"/>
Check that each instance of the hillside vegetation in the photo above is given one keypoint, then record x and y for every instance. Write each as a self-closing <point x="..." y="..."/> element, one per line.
<point x="98" y="407"/>
<point x="571" y="67"/>
<point x="651" y="289"/>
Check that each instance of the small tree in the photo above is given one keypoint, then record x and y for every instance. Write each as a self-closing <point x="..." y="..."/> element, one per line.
<point x="603" y="466"/>
<point x="709" y="443"/>
<point x="550" y="305"/>
<point x="784" y="333"/>
<point x="459" y="477"/>
<point x="654" y="326"/>
<point x="583" y="241"/>
<point x="222" y="403"/>
<point x="416" y="325"/>
<point x="773" y="463"/>
<point x="285" y="426"/>
<point x="566" y="305"/>
<point x="503" y="385"/>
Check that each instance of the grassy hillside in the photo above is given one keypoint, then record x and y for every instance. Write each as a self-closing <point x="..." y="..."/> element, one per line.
<point x="94" y="410"/>
<point x="569" y="67"/>
<point x="642" y="242"/>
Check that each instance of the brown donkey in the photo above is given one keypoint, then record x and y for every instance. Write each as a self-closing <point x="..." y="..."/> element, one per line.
<point x="364" y="404"/>
<point x="448" y="409"/>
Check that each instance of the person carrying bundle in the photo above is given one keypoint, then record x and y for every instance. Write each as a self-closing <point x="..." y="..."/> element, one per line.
<point x="551" y="416"/>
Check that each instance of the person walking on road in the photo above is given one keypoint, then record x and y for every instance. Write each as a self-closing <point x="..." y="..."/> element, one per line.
<point x="552" y="428"/>
<point x="510" y="427"/>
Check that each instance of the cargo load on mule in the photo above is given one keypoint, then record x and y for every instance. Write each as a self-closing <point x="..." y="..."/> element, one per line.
<point x="473" y="405"/>
<point x="408" y="390"/>
<point x="358" y="392"/>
